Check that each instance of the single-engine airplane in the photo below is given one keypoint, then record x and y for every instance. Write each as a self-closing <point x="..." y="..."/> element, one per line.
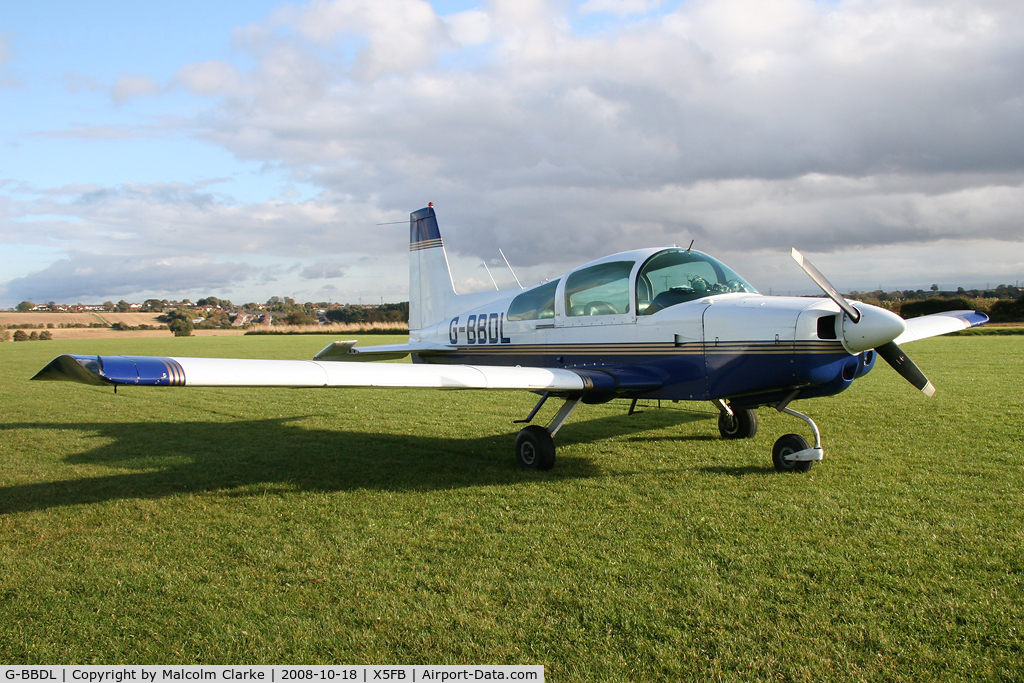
<point x="659" y="323"/>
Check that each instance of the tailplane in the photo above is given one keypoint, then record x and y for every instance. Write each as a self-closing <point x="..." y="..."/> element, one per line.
<point x="430" y="279"/>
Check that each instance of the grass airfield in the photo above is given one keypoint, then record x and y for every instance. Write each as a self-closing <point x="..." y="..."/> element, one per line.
<point x="204" y="525"/>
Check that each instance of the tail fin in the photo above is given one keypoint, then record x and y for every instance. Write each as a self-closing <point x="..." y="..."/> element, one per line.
<point x="430" y="279"/>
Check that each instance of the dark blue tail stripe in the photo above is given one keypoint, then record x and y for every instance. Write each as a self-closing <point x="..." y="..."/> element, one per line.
<point x="423" y="230"/>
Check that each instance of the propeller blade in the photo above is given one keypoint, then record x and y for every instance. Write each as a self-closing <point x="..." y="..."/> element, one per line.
<point x="902" y="364"/>
<point x="879" y="325"/>
<point x="826" y="286"/>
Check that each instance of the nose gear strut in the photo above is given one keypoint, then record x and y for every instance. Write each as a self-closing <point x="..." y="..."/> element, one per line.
<point x="791" y="452"/>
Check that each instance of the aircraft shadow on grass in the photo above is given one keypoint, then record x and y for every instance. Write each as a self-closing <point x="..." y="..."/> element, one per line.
<point x="738" y="471"/>
<point x="171" y="458"/>
<point x="730" y="470"/>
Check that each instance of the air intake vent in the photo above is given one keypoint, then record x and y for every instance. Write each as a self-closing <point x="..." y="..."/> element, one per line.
<point x="827" y="327"/>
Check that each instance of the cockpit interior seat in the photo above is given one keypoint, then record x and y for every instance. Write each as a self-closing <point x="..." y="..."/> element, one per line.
<point x="671" y="297"/>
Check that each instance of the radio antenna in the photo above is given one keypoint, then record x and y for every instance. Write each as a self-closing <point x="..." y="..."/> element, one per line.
<point x="691" y="245"/>
<point x="484" y="263"/>
<point x="510" y="268"/>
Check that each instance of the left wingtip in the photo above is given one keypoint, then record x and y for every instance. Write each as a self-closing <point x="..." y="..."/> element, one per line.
<point x="68" y="368"/>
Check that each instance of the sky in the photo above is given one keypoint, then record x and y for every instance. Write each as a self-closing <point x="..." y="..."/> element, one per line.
<point x="250" y="149"/>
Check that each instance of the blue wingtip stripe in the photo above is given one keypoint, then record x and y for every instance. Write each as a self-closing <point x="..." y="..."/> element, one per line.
<point x="975" y="318"/>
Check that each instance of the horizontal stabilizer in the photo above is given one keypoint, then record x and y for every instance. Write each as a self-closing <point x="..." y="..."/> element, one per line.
<point x="940" y="323"/>
<point x="347" y="351"/>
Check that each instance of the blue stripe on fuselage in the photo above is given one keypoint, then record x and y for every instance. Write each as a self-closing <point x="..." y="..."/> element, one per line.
<point x="690" y="371"/>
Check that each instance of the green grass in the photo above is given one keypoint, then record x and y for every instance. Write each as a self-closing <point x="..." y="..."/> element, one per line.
<point x="203" y="525"/>
<point x="988" y="330"/>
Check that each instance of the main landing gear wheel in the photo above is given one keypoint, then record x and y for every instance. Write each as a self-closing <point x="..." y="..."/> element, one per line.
<point x="742" y="424"/>
<point x="786" y="445"/>
<point x="535" y="449"/>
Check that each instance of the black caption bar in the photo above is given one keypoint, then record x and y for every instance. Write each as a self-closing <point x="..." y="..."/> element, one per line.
<point x="271" y="674"/>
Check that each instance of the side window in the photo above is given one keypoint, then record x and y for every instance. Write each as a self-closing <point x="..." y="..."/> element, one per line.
<point x="534" y="304"/>
<point x="599" y="290"/>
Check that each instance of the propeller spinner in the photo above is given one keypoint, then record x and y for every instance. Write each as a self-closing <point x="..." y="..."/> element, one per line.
<point x="870" y="328"/>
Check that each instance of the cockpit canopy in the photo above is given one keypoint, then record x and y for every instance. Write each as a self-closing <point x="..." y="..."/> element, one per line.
<point x="668" y="277"/>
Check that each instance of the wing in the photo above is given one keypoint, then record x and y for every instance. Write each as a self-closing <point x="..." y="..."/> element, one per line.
<point x="940" y="323"/>
<point x="231" y="372"/>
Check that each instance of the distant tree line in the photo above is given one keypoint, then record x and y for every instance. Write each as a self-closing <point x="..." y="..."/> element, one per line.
<point x="386" y="313"/>
<point x="999" y="292"/>
<point x="211" y="312"/>
<point x="1004" y="303"/>
<point x="21" y="335"/>
<point x="182" y="317"/>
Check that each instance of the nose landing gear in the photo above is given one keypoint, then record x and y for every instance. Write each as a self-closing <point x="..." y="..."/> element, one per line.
<point x="791" y="453"/>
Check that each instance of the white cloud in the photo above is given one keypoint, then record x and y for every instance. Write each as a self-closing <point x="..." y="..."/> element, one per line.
<point x="213" y="78"/>
<point x="469" y="28"/>
<point x="130" y="86"/>
<point x="92" y="133"/>
<point x="620" y="8"/>
<point x="750" y="125"/>
<point x="698" y="95"/>
<point x="390" y="36"/>
<point x="75" y="82"/>
<point x="6" y="55"/>
<point x="178" y="219"/>
<point x="322" y="271"/>
<point x="85" y="276"/>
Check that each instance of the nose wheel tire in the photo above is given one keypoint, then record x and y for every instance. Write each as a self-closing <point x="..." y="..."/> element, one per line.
<point x="742" y="424"/>
<point x="787" y="445"/>
<point x="535" y="449"/>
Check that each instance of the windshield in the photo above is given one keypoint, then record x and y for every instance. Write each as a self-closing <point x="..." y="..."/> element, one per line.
<point x="674" y="276"/>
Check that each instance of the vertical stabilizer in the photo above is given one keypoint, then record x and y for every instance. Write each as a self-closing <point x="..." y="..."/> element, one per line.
<point x="430" y="279"/>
